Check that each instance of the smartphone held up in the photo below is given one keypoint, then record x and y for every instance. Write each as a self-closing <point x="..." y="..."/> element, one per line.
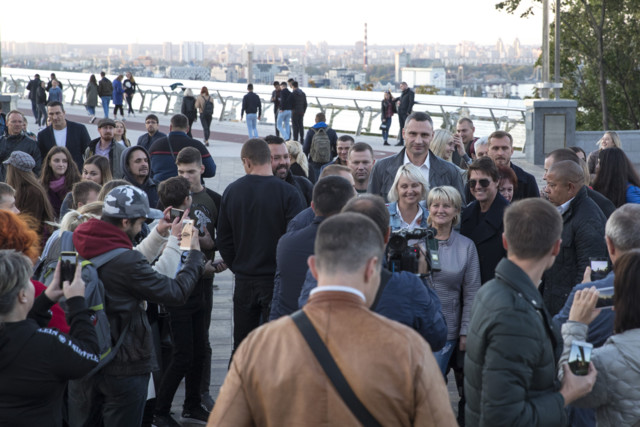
<point x="68" y="262"/>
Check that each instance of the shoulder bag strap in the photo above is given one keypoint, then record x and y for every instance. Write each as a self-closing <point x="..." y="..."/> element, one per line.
<point x="171" y="148"/>
<point x="332" y="370"/>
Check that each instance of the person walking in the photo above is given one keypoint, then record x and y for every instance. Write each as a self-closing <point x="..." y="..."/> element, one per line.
<point x="252" y="105"/>
<point x="118" y="93"/>
<point x="105" y="90"/>
<point x="189" y="109"/>
<point x="204" y="104"/>
<point x="388" y="109"/>
<point x="129" y="89"/>
<point x="92" y="97"/>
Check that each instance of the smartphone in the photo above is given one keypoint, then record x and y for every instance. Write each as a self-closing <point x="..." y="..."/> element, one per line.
<point x="580" y="357"/>
<point x="175" y="213"/>
<point x="68" y="262"/>
<point x="187" y="231"/>
<point x="605" y="298"/>
<point x="599" y="268"/>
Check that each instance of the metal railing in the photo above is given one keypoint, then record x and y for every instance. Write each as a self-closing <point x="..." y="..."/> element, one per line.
<point x="356" y="114"/>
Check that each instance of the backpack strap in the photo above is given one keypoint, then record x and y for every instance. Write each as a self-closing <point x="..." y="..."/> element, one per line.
<point x="101" y="260"/>
<point x="66" y="241"/>
<point x="331" y="369"/>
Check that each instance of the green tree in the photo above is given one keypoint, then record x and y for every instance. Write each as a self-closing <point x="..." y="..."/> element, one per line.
<point x="599" y="51"/>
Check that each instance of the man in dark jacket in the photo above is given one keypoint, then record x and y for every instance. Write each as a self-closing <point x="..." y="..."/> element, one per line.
<point x="32" y="87"/>
<point x="151" y="124"/>
<point x="321" y="123"/>
<point x="402" y="296"/>
<point x="284" y="115"/>
<point x="17" y="140"/>
<point x="512" y="345"/>
<point x="275" y="99"/>
<point x="482" y="219"/>
<point x="165" y="150"/>
<point x="582" y="232"/>
<point x="252" y="105"/>
<point x="329" y="197"/>
<point x="280" y="165"/>
<point x="298" y="108"/>
<point x="405" y="107"/>
<point x="418" y="133"/>
<point x="135" y="166"/>
<point x="62" y="132"/>
<point x="105" y="146"/>
<point x="119" y="390"/>
<point x="500" y="150"/>
<point x="105" y="91"/>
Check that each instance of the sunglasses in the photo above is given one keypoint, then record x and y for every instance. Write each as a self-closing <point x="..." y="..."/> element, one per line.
<point x="484" y="183"/>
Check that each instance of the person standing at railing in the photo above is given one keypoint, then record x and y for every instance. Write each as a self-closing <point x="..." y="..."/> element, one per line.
<point x="204" y="104"/>
<point x="55" y="93"/>
<point x="405" y="107"/>
<point x="387" y="111"/>
<point x="284" y="115"/>
<point x="298" y="108"/>
<point x="105" y="90"/>
<point x="92" y="97"/>
<point x="32" y="87"/>
<point x="41" y="102"/>
<point x="275" y="99"/>
<point x="129" y="89"/>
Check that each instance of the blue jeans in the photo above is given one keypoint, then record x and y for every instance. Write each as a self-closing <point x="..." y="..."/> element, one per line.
<point x="284" y="124"/>
<point x="252" y="123"/>
<point x="105" y="105"/>
<point x="442" y="356"/>
<point x="91" y="110"/>
<point x="385" y="132"/>
<point x="119" y="400"/>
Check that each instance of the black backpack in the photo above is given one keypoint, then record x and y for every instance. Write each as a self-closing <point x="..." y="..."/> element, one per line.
<point x="208" y="106"/>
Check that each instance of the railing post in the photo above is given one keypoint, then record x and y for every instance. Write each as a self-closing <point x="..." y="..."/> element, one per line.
<point x="361" y="114"/>
<point x="224" y="105"/>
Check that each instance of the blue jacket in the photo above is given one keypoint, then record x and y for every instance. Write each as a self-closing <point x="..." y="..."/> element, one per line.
<point x="405" y="299"/>
<point x="301" y="220"/>
<point x="333" y="138"/>
<point x="633" y="194"/>
<point x="163" y="163"/>
<point x="395" y="220"/>
<point x="291" y="268"/>
<point x="117" y="92"/>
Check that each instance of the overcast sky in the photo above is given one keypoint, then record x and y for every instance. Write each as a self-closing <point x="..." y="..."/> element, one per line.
<point x="265" y="22"/>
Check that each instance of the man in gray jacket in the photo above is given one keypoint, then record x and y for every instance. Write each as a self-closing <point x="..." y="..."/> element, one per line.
<point x="418" y="133"/>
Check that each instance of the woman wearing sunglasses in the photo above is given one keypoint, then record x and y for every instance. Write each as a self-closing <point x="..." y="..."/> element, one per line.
<point x="482" y="219"/>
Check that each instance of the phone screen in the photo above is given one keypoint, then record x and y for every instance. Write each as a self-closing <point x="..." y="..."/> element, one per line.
<point x="175" y="213"/>
<point x="187" y="231"/>
<point x="68" y="261"/>
<point x="599" y="268"/>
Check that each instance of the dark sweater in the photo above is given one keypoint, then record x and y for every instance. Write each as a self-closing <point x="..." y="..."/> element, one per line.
<point x="251" y="104"/>
<point x="254" y="214"/>
<point x="36" y="363"/>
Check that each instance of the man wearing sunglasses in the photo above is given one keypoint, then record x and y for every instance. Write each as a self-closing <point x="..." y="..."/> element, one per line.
<point x="482" y="219"/>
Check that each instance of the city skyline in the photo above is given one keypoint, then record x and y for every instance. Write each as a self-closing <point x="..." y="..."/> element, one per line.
<point x="268" y="24"/>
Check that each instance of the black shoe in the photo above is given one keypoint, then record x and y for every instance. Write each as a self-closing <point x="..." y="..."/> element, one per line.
<point x="386" y="143"/>
<point x="197" y="415"/>
<point x="165" y="421"/>
<point x="207" y="402"/>
<point x="400" y="144"/>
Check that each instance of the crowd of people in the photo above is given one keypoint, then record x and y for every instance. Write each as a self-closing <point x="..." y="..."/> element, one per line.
<point x="360" y="283"/>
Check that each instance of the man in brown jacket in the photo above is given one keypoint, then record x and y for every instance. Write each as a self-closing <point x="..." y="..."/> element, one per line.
<point x="275" y="379"/>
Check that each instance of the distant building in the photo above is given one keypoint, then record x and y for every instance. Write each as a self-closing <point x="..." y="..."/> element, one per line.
<point x="167" y="51"/>
<point x="402" y="60"/>
<point x="189" y="73"/>
<point x="424" y="77"/>
<point x="192" y="52"/>
<point x="343" y="78"/>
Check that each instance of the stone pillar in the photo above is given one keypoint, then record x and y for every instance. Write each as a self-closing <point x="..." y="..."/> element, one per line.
<point x="550" y="125"/>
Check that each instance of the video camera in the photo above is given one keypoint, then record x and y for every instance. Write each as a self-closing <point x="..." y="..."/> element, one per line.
<point x="402" y="257"/>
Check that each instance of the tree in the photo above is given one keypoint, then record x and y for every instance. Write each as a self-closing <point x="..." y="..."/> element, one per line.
<point x="600" y="51"/>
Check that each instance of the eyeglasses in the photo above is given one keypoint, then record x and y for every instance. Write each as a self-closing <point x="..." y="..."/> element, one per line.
<point x="484" y="183"/>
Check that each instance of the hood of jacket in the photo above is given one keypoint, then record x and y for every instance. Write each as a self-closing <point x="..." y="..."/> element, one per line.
<point x="320" y="125"/>
<point x="627" y="345"/>
<point x="124" y="163"/>
<point x="96" y="237"/>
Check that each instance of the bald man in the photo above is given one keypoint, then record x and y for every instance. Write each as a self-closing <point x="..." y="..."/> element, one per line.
<point x="582" y="232"/>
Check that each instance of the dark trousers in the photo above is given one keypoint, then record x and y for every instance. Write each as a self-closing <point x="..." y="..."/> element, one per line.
<point x="116" y="108"/>
<point x="401" y="118"/>
<point x="187" y="332"/>
<point x="298" y="127"/>
<point x="41" y="118"/>
<point x="205" y="121"/>
<point x="190" y="125"/>
<point x="251" y="306"/>
<point x="119" y="400"/>
<point x="34" y="108"/>
<point x="129" y="100"/>
<point x="205" y="381"/>
<point x="275" y="121"/>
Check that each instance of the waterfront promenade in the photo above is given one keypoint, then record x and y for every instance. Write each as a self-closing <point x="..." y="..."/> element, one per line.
<point x="226" y="141"/>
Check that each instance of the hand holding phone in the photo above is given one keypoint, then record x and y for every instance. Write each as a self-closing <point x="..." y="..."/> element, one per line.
<point x="187" y="234"/>
<point x="68" y="262"/>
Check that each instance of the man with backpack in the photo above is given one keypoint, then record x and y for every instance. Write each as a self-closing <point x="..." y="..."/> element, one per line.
<point x="319" y="145"/>
<point x="118" y="391"/>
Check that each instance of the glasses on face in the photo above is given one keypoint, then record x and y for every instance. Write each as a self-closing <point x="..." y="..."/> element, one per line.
<point x="484" y="183"/>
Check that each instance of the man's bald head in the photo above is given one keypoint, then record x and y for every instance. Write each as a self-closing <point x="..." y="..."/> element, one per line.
<point x="567" y="171"/>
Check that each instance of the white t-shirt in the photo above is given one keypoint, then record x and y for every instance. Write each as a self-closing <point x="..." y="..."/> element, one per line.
<point x="61" y="137"/>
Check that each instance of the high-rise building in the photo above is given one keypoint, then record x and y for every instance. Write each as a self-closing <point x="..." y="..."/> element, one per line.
<point x="167" y="51"/>
<point x="191" y="51"/>
<point x="402" y="60"/>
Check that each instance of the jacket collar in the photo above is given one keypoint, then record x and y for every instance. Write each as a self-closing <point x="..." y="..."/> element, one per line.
<point x="577" y="200"/>
<point x="493" y="218"/>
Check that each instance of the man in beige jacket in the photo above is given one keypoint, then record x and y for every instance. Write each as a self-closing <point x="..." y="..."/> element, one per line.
<point x="275" y="379"/>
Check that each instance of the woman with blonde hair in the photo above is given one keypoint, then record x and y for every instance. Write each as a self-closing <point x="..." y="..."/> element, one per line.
<point x="189" y="109"/>
<point x="407" y="198"/>
<point x="443" y="145"/>
<point x="299" y="162"/>
<point x="610" y="139"/>
<point x="120" y="134"/>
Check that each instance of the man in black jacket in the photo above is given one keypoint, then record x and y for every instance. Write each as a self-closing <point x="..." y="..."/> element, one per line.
<point x="298" y="108"/>
<point x="151" y="123"/>
<point x="254" y="214"/>
<point x="105" y="91"/>
<point x="64" y="133"/>
<point x="252" y="105"/>
<point x="284" y="115"/>
<point x="17" y="140"/>
<point x="404" y="109"/>
<point x="513" y="345"/>
<point x="32" y="87"/>
<point x="500" y="150"/>
<point x="582" y="232"/>
<point x="280" y="165"/>
<point x="119" y="390"/>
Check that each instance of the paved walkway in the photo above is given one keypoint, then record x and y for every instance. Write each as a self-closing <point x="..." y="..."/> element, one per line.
<point x="225" y="144"/>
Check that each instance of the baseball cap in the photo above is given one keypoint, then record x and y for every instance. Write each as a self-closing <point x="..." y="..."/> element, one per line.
<point x="21" y="160"/>
<point x="128" y="201"/>
<point x="106" y="122"/>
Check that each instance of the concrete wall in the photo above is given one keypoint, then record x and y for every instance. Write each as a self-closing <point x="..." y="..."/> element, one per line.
<point x="630" y="143"/>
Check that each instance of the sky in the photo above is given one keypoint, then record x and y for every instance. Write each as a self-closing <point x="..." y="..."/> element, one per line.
<point x="338" y="22"/>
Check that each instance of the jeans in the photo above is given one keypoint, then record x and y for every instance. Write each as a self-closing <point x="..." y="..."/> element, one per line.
<point x="252" y="123"/>
<point x="187" y="334"/>
<point x="205" y="121"/>
<point x="385" y="132"/>
<point x="41" y="118"/>
<point x="105" y="105"/>
<point x="297" y="123"/>
<point x="251" y="306"/>
<point x="91" y="109"/>
<point x="119" y="400"/>
<point x="443" y="355"/>
<point x="284" y="125"/>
